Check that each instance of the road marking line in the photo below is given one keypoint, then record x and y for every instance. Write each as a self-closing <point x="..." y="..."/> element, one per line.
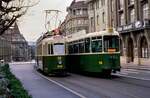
<point x="129" y="71"/>
<point x="57" y="83"/>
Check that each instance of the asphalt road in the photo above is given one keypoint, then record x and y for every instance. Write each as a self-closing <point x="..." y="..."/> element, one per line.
<point x="117" y="87"/>
<point x="89" y="87"/>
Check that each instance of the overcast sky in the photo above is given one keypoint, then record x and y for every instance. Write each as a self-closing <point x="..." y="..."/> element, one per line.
<point x="32" y="24"/>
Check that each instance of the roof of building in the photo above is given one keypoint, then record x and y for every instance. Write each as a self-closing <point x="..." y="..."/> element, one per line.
<point x="76" y="4"/>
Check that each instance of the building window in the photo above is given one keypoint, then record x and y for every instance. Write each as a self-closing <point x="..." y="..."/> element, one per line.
<point x="102" y="2"/>
<point x="84" y="11"/>
<point x="130" y="2"/>
<point x="112" y="5"/>
<point x="79" y="22"/>
<point x="121" y="4"/>
<point x="85" y="21"/>
<point x="103" y="17"/>
<point x="97" y="4"/>
<point x="121" y="19"/>
<point x="92" y="22"/>
<point x="74" y="12"/>
<point x="113" y="24"/>
<point x="97" y="19"/>
<point x="132" y="15"/>
<point x="78" y="12"/>
<point x="145" y="11"/>
<point x="91" y="6"/>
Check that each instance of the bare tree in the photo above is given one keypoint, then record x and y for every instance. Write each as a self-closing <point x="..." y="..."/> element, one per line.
<point x="11" y="10"/>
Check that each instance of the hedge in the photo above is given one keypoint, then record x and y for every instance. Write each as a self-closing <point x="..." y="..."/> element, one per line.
<point x="14" y="87"/>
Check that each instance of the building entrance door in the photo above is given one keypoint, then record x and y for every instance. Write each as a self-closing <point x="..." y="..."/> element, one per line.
<point x="130" y="52"/>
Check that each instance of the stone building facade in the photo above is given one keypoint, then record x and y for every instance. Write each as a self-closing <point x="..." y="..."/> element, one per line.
<point x="5" y="49"/>
<point x="18" y="44"/>
<point x="99" y="15"/>
<point x="132" y="20"/>
<point x="76" y="19"/>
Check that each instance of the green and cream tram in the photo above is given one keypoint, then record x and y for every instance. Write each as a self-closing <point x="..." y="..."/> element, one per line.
<point x="96" y="52"/>
<point x="51" y="55"/>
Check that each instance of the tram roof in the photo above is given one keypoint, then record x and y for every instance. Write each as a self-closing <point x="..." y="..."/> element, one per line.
<point x="55" y="39"/>
<point x="93" y="34"/>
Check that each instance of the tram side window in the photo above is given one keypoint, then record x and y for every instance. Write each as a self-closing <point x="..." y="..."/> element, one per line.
<point x="51" y="49"/>
<point x="81" y="47"/>
<point x="76" y="48"/>
<point x="87" y="45"/>
<point x="97" y="46"/>
<point x="49" y="52"/>
<point x="70" y="48"/>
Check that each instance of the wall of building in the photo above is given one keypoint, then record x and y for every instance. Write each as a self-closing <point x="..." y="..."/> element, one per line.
<point x="132" y="20"/>
<point x="99" y="15"/>
<point x="18" y="46"/>
<point x="76" y="19"/>
<point x="5" y="49"/>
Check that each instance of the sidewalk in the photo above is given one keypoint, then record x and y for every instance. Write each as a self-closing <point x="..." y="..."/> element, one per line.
<point x="134" y="66"/>
<point x="145" y="65"/>
<point x="36" y="85"/>
<point x="134" y="70"/>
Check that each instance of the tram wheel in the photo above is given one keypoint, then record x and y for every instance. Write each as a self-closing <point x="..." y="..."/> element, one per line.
<point x="106" y="73"/>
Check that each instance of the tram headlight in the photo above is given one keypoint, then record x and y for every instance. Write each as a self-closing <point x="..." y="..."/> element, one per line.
<point x="59" y="66"/>
<point x="59" y="60"/>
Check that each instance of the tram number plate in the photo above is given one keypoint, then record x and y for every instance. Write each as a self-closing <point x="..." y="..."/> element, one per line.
<point x="59" y="66"/>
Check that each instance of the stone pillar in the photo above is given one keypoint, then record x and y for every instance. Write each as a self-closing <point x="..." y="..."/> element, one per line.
<point x="125" y="54"/>
<point x="149" y="7"/>
<point x="136" y="9"/>
<point x="136" y="56"/>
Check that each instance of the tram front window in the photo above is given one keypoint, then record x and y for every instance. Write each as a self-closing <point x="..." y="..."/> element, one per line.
<point x="59" y="49"/>
<point x="111" y="43"/>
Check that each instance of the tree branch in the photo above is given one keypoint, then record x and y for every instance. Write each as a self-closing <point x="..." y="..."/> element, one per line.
<point x="11" y="10"/>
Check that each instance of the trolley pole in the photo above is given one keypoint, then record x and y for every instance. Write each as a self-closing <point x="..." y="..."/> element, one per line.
<point x="48" y="19"/>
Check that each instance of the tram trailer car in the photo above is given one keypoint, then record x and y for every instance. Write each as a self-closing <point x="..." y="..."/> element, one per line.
<point x="94" y="53"/>
<point x="51" y="57"/>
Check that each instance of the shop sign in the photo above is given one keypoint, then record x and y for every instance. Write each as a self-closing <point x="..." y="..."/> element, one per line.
<point x="126" y="27"/>
<point x="131" y="27"/>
